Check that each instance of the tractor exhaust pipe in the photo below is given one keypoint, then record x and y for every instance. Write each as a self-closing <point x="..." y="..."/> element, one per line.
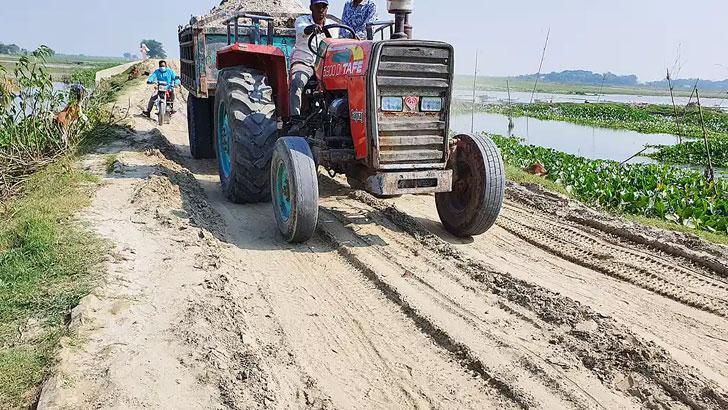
<point x="401" y="10"/>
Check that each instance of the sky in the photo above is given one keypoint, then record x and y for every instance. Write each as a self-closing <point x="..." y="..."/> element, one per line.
<point x="642" y="37"/>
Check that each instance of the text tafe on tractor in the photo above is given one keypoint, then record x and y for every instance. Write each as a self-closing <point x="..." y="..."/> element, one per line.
<point x="376" y="111"/>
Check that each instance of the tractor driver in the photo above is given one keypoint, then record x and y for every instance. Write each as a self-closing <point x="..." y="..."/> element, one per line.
<point x="162" y="74"/>
<point x="302" y="59"/>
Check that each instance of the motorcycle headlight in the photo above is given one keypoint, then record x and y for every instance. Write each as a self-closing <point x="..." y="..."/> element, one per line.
<point x="392" y="104"/>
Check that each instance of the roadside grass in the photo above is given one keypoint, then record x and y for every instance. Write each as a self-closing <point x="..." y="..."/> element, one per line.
<point x="47" y="258"/>
<point x="46" y="264"/>
<point x="517" y="175"/>
<point x="109" y="163"/>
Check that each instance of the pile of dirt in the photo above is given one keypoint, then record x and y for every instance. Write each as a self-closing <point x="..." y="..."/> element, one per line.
<point x="270" y="7"/>
<point x="284" y="11"/>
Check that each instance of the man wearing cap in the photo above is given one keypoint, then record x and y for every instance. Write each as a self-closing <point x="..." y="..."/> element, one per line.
<point x="357" y="14"/>
<point x="302" y="59"/>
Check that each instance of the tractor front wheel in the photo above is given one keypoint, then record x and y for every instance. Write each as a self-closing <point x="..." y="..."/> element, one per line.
<point x="475" y="201"/>
<point x="294" y="188"/>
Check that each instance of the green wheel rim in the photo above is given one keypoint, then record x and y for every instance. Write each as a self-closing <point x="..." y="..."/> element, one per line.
<point x="223" y="138"/>
<point x="283" y="192"/>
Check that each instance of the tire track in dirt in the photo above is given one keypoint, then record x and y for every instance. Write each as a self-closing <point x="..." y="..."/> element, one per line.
<point x="353" y="343"/>
<point x="641" y="369"/>
<point x="687" y="286"/>
<point x="457" y="328"/>
<point x="448" y="297"/>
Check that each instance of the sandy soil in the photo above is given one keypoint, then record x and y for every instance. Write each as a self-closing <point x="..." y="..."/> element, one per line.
<point x="206" y="307"/>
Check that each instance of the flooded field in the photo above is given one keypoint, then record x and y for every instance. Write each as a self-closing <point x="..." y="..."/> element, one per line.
<point x="494" y="97"/>
<point x="589" y="142"/>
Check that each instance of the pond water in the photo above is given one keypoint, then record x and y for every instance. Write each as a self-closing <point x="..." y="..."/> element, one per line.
<point x="494" y="97"/>
<point x="57" y="87"/>
<point x="585" y="141"/>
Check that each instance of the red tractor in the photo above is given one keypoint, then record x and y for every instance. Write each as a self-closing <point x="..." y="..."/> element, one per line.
<point x="376" y="111"/>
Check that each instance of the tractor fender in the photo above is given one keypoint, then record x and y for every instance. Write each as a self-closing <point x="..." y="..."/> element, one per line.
<point x="268" y="59"/>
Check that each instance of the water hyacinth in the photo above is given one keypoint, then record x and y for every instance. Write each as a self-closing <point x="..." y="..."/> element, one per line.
<point x="645" y="119"/>
<point x="652" y="190"/>
<point x="693" y="153"/>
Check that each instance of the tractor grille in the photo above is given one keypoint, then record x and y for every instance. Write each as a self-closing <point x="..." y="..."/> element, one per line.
<point x="413" y="139"/>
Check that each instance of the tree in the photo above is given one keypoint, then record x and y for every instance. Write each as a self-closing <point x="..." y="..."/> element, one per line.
<point x="156" y="49"/>
<point x="51" y="52"/>
<point x="135" y="57"/>
<point x="127" y="56"/>
<point x="9" y="49"/>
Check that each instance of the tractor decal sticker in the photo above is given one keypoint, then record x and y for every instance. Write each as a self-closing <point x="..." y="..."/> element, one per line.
<point x="342" y="56"/>
<point x="412" y="101"/>
<point x="346" y="62"/>
<point x="357" y="116"/>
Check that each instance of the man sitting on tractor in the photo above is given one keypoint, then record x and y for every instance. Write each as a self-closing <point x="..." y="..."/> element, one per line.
<point x="357" y="14"/>
<point x="166" y="75"/>
<point x="302" y="59"/>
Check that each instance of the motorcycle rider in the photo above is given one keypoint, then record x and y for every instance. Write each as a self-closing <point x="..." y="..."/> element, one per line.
<point x="166" y="75"/>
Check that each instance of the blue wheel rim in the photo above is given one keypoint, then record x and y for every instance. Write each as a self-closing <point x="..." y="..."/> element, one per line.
<point x="223" y="138"/>
<point x="283" y="192"/>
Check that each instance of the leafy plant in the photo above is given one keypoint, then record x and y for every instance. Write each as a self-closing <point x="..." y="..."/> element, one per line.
<point x="659" y="191"/>
<point x="693" y="153"/>
<point x="645" y="119"/>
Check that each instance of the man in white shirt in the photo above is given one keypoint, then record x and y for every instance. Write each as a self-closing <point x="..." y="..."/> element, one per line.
<point x="302" y="59"/>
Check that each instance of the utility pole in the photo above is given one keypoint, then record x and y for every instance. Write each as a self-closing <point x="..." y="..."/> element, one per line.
<point x="475" y="80"/>
<point x="540" y="66"/>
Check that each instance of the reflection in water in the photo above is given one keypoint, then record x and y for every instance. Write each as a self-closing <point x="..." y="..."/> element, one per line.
<point x="589" y="142"/>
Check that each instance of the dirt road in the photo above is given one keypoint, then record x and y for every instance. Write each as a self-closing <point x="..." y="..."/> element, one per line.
<point x="206" y="307"/>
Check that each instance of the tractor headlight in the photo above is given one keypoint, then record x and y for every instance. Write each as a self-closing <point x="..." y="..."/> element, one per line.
<point x="431" y="104"/>
<point x="392" y="104"/>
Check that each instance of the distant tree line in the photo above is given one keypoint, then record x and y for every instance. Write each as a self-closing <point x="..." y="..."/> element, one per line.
<point x="13" y="49"/>
<point x="584" y="77"/>
<point x="690" y="82"/>
<point x="592" y="78"/>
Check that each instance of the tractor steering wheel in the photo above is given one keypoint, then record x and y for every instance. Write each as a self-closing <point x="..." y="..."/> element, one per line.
<point x="328" y="34"/>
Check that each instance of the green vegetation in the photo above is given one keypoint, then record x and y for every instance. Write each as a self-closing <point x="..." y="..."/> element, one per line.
<point x="526" y="85"/>
<point x="645" y="119"/>
<point x="30" y="134"/>
<point x="693" y="153"/>
<point x="87" y="77"/>
<point x="59" y="67"/>
<point x="45" y="269"/>
<point x="654" y="191"/>
<point x="46" y="259"/>
<point x="156" y="49"/>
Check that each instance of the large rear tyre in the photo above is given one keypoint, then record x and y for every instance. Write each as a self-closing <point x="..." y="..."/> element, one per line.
<point x="199" y="117"/>
<point x="246" y="132"/>
<point x="294" y="188"/>
<point x="476" y="199"/>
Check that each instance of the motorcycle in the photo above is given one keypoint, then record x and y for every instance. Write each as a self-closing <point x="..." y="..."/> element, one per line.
<point x="164" y="105"/>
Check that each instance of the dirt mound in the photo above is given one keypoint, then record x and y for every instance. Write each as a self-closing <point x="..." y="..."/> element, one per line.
<point x="271" y="7"/>
<point x="284" y="11"/>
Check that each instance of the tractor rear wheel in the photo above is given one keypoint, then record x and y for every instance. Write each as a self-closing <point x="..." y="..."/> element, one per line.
<point x="475" y="201"/>
<point x="198" y="127"/>
<point x="246" y="132"/>
<point x="294" y="188"/>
